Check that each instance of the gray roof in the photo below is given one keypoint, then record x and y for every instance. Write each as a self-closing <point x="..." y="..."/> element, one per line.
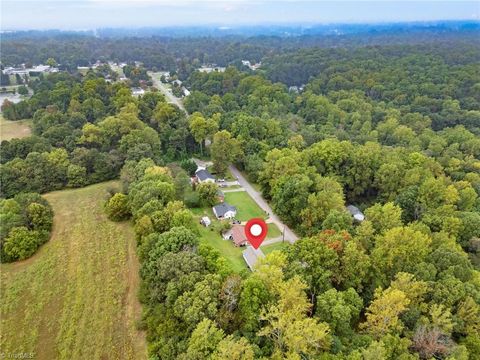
<point x="355" y="212"/>
<point x="203" y="174"/>
<point x="222" y="209"/>
<point x="251" y="256"/>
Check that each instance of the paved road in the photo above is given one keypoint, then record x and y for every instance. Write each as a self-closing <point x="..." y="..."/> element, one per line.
<point x="165" y="90"/>
<point x="289" y="234"/>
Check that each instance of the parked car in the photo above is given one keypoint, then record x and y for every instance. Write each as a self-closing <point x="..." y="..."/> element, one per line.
<point x="235" y="221"/>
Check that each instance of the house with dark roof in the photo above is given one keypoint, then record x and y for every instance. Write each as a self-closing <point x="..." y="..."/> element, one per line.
<point x="356" y="213"/>
<point x="251" y="256"/>
<point x="224" y="211"/>
<point x="203" y="175"/>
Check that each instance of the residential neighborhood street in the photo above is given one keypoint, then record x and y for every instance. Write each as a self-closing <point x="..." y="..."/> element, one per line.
<point x="165" y="90"/>
<point x="289" y="234"/>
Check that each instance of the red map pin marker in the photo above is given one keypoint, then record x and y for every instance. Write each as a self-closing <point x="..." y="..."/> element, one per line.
<point x="256" y="231"/>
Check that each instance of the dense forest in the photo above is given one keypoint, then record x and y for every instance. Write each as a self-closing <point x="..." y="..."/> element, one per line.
<point x="392" y="128"/>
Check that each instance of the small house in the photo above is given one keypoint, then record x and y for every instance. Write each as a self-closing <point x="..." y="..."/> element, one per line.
<point x="238" y="235"/>
<point x="224" y="211"/>
<point x="205" y="221"/>
<point x="356" y="213"/>
<point x="203" y="175"/>
<point x="251" y="256"/>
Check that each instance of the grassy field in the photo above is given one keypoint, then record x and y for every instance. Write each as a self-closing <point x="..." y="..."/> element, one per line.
<point x="247" y="208"/>
<point x="230" y="252"/>
<point x="273" y="231"/>
<point x="277" y="246"/>
<point x="14" y="129"/>
<point x="76" y="298"/>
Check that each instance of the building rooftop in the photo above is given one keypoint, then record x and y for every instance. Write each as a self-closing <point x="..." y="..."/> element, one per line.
<point x="221" y="209"/>
<point x="356" y="213"/>
<point x="203" y="174"/>
<point x="251" y="256"/>
<point x="238" y="234"/>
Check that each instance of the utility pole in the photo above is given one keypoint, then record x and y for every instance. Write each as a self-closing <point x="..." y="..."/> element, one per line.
<point x="283" y="235"/>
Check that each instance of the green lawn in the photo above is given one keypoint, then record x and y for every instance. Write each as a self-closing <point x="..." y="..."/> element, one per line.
<point x="277" y="246"/>
<point x="228" y="175"/>
<point x="247" y="208"/>
<point x="229" y="251"/>
<point x="76" y="298"/>
<point x="273" y="231"/>
<point x="14" y="129"/>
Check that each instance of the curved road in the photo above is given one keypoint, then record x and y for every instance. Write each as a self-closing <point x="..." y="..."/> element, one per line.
<point x="289" y="234"/>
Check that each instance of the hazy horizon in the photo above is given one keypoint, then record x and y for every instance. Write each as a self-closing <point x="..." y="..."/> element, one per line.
<point x="94" y="14"/>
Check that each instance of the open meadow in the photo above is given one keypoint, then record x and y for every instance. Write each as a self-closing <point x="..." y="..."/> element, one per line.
<point x="76" y="298"/>
<point x="14" y="129"/>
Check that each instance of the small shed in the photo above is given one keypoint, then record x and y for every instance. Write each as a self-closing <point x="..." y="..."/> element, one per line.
<point x="356" y="213"/>
<point x="205" y="221"/>
<point x="251" y="256"/>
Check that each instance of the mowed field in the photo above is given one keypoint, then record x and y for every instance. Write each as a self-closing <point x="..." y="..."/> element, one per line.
<point x="76" y="298"/>
<point x="14" y="129"/>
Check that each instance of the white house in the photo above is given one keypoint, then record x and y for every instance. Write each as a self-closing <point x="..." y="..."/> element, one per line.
<point x="224" y="211"/>
<point x="204" y="176"/>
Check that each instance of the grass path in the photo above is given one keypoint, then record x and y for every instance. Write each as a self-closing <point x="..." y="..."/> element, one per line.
<point x="77" y="297"/>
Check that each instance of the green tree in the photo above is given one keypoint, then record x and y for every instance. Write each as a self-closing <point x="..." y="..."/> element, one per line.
<point x="225" y="149"/>
<point x="204" y="340"/>
<point x="234" y="349"/>
<point x="400" y="249"/>
<point x="202" y="302"/>
<point x="202" y="128"/>
<point x="208" y="193"/>
<point x="117" y="208"/>
<point x="384" y="311"/>
<point x="76" y="175"/>
<point x="340" y="310"/>
<point x="287" y="324"/>
<point x="21" y="243"/>
<point x="384" y="217"/>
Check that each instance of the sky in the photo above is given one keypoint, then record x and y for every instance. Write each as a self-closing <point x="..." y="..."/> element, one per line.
<point x="91" y="14"/>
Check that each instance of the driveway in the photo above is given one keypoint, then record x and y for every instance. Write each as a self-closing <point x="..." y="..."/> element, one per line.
<point x="165" y="90"/>
<point x="289" y="234"/>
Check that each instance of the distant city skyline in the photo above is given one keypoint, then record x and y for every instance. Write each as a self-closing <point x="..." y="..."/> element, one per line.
<point x="91" y="14"/>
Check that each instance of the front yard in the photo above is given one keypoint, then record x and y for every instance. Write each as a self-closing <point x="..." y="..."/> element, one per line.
<point x="247" y="208"/>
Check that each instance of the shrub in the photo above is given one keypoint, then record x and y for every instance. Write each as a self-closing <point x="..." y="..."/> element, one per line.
<point x="21" y="243"/>
<point x="117" y="207"/>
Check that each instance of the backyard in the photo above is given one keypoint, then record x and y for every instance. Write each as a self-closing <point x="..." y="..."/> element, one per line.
<point x="246" y="209"/>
